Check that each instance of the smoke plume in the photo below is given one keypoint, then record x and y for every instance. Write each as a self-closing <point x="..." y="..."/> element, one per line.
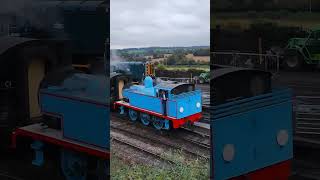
<point x="26" y="11"/>
<point x="115" y="57"/>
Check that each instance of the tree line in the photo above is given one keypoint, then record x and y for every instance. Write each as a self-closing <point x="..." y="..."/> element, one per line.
<point x="262" y="5"/>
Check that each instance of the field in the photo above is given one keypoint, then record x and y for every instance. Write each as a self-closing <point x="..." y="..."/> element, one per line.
<point x="243" y="20"/>
<point x="186" y="67"/>
<point x="202" y="59"/>
<point x="198" y="58"/>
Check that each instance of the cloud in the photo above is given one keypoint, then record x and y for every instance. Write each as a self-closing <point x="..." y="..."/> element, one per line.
<point x="144" y="23"/>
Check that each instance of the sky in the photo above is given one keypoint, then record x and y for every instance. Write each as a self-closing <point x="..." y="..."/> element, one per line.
<point x="166" y="23"/>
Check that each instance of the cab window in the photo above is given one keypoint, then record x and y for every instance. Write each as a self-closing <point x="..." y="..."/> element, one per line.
<point x="183" y="89"/>
<point x="162" y="93"/>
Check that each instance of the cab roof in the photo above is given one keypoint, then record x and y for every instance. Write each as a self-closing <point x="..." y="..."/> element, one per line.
<point x="169" y="85"/>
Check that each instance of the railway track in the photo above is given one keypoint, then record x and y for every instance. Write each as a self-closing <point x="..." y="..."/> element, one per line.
<point x="205" y="114"/>
<point x="307" y="118"/>
<point x="192" y="143"/>
<point x="156" y="141"/>
<point x="195" y="137"/>
<point x="205" y="89"/>
<point x="150" y="153"/>
<point x="306" y="88"/>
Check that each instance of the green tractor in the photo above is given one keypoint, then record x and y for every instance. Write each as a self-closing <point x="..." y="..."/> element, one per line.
<point x="301" y="51"/>
<point x="204" y="78"/>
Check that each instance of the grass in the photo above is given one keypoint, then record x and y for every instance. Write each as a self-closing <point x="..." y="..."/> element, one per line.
<point x="186" y="67"/>
<point x="193" y="170"/>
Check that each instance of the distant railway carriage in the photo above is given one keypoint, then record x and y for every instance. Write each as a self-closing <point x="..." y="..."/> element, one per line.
<point x="166" y="105"/>
<point x="136" y="70"/>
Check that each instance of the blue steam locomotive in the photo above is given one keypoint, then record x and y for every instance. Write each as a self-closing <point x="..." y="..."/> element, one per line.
<point x="251" y="126"/>
<point x="166" y="105"/>
<point x="75" y="120"/>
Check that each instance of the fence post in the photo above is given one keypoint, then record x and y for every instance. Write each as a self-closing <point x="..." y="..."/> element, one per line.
<point x="260" y="48"/>
<point x="278" y="63"/>
<point x="265" y="62"/>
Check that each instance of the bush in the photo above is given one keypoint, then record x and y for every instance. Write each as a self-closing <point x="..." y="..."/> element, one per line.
<point x="161" y="67"/>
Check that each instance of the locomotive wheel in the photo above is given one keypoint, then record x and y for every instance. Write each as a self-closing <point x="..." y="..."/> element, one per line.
<point x="73" y="165"/>
<point x="102" y="170"/>
<point x="293" y="61"/>
<point x="158" y="123"/>
<point x="133" y="115"/>
<point x="145" y="119"/>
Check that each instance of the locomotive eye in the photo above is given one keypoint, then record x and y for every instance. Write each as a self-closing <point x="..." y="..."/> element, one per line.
<point x="228" y="152"/>
<point x="181" y="109"/>
<point x="198" y="105"/>
<point x="282" y="137"/>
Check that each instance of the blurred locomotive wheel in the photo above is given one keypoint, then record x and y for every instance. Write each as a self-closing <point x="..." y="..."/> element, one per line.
<point x="133" y="115"/>
<point x="145" y="119"/>
<point x="158" y="123"/>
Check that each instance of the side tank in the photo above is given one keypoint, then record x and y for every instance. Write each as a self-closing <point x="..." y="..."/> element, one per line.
<point x="81" y="105"/>
<point x="253" y="137"/>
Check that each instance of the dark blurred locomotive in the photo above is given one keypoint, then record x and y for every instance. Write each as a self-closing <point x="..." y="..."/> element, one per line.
<point x="124" y="74"/>
<point x="43" y="37"/>
<point x="72" y="104"/>
<point x="54" y="58"/>
<point x="136" y="70"/>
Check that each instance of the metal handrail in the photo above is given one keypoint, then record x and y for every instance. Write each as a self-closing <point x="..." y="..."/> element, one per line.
<point x="267" y="59"/>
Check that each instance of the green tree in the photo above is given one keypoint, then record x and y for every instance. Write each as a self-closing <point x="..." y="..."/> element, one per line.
<point x="161" y="67"/>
